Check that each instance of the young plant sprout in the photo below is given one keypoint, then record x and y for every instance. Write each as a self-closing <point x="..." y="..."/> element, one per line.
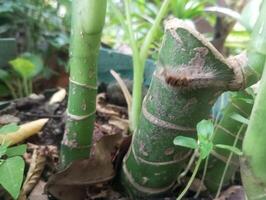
<point x="19" y="78"/>
<point x="203" y="146"/>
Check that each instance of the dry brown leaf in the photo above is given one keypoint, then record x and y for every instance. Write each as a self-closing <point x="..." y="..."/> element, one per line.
<point x="34" y="173"/>
<point x="196" y="184"/>
<point x="108" y="109"/>
<point x="124" y="89"/>
<point x="101" y="107"/>
<point x="69" y="184"/>
<point x="119" y="122"/>
<point x="233" y="193"/>
<point x="38" y="192"/>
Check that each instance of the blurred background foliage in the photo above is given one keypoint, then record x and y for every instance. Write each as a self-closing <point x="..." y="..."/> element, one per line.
<point x="41" y="32"/>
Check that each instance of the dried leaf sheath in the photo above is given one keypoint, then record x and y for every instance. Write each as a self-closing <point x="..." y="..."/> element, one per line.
<point x="190" y="75"/>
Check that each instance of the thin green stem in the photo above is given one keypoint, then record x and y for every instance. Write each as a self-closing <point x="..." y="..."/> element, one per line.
<point x="139" y="60"/>
<point x="228" y="162"/>
<point x="19" y="86"/>
<point x="25" y="86"/>
<point x="137" y="93"/>
<point x="190" y="180"/>
<point x="152" y="32"/>
<point x="191" y="161"/>
<point x="30" y="86"/>
<point x="138" y="72"/>
<point x="202" y="178"/>
<point x="139" y="56"/>
<point x="132" y="38"/>
<point x="12" y="90"/>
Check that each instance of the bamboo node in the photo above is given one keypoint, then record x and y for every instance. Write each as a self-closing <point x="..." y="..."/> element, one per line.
<point x="83" y="85"/>
<point x="79" y="117"/>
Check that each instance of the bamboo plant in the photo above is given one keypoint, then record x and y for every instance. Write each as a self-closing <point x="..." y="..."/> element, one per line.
<point x="189" y="77"/>
<point x="254" y="159"/>
<point x="144" y="183"/>
<point x="253" y="162"/>
<point x="86" y="28"/>
<point x="227" y="128"/>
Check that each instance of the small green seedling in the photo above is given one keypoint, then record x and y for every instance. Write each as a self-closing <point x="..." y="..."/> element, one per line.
<point x="11" y="163"/>
<point x="203" y="145"/>
<point x="19" y="78"/>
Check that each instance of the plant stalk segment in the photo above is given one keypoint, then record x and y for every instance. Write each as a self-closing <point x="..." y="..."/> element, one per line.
<point x="189" y="77"/>
<point x="86" y="28"/>
<point x="254" y="159"/>
<point x="252" y="64"/>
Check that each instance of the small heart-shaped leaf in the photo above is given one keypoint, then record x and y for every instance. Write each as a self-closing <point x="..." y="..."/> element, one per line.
<point x="24" y="67"/>
<point x="205" y="129"/>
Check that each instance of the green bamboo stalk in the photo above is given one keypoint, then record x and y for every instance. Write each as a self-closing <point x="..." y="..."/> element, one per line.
<point x="254" y="159"/>
<point x="190" y="75"/>
<point x="86" y="28"/>
<point x="252" y="65"/>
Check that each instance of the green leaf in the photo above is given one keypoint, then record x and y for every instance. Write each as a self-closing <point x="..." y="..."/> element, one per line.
<point x="205" y="149"/>
<point x="36" y="61"/>
<point x="3" y="149"/>
<point x="205" y="129"/>
<point x="247" y="100"/>
<point x="16" y="151"/>
<point x="9" y="128"/>
<point x="235" y="150"/>
<point x="250" y="13"/>
<point x="11" y="175"/>
<point x="4" y="92"/>
<point x="239" y="118"/>
<point x="23" y="66"/>
<point x="4" y="75"/>
<point x="185" y="142"/>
